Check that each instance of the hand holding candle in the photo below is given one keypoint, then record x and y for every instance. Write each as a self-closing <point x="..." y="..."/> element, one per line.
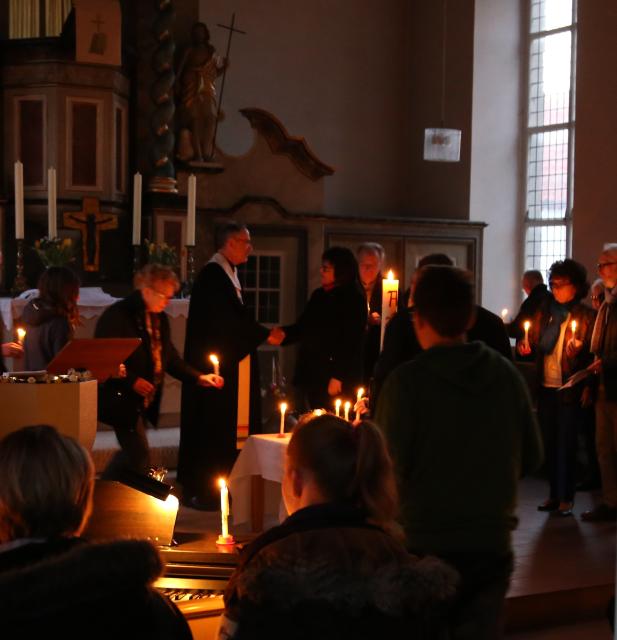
<point x="224" y="538"/>
<point x="573" y="327"/>
<point x="21" y="335"/>
<point x="523" y="347"/>
<point x="283" y="408"/>
<point x="358" y="407"/>
<point x="215" y="361"/>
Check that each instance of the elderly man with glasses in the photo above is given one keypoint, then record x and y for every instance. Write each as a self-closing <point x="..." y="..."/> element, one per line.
<point x="604" y="348"/>
<point x="128" y="403"/>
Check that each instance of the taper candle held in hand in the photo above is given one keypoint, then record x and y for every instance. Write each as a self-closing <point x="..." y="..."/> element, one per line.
<point x="389" y="302"/>
<point x="526" y="326"/>
<point x="337" y="407"/>
<point x="347" y="407"/>
<point x="215" y="361"/>
<point x="283" y="408"/>
<point x="21" y="335"/>
<point x="224" y="538"/>
<point x="573" y="327"/>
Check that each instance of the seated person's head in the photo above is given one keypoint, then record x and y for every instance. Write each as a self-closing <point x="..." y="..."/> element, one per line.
<point x="330" y="460"/>
<point x="443" y="305"/>
<point x="158" y="284"/>
<point x="46" y="483"/>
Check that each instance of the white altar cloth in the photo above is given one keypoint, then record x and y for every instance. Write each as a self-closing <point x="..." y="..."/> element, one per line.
<point x="264" y="456"/>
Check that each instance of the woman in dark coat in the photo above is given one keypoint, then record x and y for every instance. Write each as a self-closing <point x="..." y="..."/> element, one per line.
<point x="51" y="318"/>
<point x="127" y="402"/>
<point x="331" y="333"/>
<point x="562" y="352"/>
<point x="336" y="568"/>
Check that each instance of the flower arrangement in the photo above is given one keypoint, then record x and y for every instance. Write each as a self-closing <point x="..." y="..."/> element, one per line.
<point x="55" y="252"/>
<point x="161" y="253"/>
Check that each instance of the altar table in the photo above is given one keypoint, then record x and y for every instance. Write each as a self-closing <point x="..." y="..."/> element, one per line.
<point x="92" y="302"/>
<point x="256" y="478"/>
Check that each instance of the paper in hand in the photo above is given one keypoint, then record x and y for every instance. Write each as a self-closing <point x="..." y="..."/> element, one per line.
<point x="575" y="379"/>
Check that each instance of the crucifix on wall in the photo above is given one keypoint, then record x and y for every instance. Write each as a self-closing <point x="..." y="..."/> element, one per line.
<point x="90" y="221"/>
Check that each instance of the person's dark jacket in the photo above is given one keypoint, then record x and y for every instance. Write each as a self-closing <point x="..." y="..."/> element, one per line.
<point x="490" y="329"/>
<point x="585" y="318"/>
<point x="330" y="331"/>
<point x="119" y="405"/>
<point x="527" y="311"/>
<point x="70" y="589"/>
<point x="327" y="573"/>
<point x="46" y="333"/>
<point x="609" y="355"/>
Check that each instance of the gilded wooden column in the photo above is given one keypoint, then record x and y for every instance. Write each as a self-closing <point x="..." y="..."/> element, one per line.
<point x="161" y="120"/>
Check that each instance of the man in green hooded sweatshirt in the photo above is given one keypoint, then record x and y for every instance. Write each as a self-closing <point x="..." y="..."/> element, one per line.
<point x="461" y="430"/>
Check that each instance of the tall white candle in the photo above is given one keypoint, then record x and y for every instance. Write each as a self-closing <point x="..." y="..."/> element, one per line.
<point x="190" y="214"/>
<point x="224" y="509"/>
<point x="21" y="335"/>
<point x="389" y="302"/>
<point x="137" y="209"/>
<point x="19" y="201"/>
<point x="215" y="361"/>
<point x="52" y="212"/>
<point x="337" y="407"/>
<point x="283" y="408"/>
<point x="347" y="408"/>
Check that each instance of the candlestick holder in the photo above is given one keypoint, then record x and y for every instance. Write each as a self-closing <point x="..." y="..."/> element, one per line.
<point x="20" y="284"/>
<point x="136" y="258"/>
<point x="229" y="539"/>
<point x="190" y="269"/>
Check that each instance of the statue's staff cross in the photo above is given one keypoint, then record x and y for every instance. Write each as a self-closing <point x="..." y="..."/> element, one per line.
<point x="231" y="28"/>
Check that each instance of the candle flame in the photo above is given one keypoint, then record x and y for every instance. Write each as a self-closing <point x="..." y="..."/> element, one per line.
<point x="338" y="403"/>
<point x="526" y="325"/>
<point x="214" y="359"/>
<point x="283" y="407"/>
<point x="504" y="313"/>
<point x="347" y="405"/>
<point x="318" y="412"/>
<point x="21" y="333"/>
<point x="573" y="326"/>
<point x="390" y="275"/>
<point x="221" y="482"/>
<point x="360" y="394"/>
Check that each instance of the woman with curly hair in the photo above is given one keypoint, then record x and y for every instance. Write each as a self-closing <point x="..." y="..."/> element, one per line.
<point x="561" y="337"/>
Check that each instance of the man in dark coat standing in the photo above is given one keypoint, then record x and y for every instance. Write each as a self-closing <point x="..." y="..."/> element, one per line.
<point x="218" y="324"/>
<point x="128" y="402"/>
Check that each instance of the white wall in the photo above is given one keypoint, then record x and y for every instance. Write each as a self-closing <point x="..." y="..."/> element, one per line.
<point x="335" y="73"/>
<point x="496" y="150"/>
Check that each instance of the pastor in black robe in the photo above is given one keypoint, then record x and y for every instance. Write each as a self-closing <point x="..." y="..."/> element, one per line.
<point x="218" y="323"/>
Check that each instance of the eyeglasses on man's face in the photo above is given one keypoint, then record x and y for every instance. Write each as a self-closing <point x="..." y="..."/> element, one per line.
<point x="601" y="265"/>
<point x="160" y="295"/>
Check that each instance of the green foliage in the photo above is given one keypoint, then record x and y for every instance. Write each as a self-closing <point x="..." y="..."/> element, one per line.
<point x="55" y="252"/>
<point x="161" y="254"/>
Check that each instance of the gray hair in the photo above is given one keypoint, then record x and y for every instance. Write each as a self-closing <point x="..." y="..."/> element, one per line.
<point x="372" y="247"/>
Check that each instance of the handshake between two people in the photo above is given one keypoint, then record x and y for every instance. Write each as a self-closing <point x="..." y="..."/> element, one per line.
<point x="277" y="335"/>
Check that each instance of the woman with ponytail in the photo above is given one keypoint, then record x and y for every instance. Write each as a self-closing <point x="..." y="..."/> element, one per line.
<point x="336" y="567"/>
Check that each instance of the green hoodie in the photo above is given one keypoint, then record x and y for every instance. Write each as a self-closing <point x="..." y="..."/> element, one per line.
<point x="460" y="428"/>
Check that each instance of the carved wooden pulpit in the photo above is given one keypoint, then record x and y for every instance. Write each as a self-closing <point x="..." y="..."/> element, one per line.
<point x="90" y="221"/>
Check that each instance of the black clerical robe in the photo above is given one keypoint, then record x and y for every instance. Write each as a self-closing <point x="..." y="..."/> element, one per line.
<point x="218" y="323"/>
